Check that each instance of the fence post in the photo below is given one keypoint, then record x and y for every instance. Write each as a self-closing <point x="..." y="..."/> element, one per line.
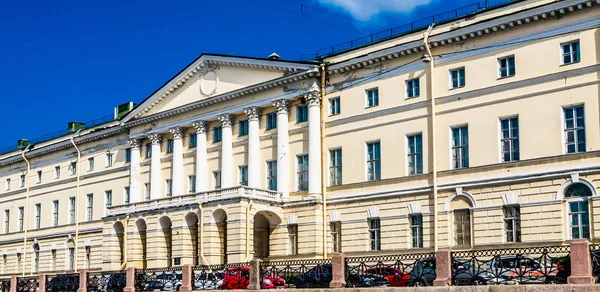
<point x="254" y="275"/>
<point x="187" y="278"/>
<point x="82" y="281"/>
<point x="42" y="283"/>
<point x="130" y="282"/>
<point x="13" y="283"/>
<point x="581" y="263"/>
<point x="443" y="268"/>
<point x="338" y="270"/>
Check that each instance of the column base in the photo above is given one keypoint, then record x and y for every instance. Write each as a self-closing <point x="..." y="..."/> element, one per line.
<point x="441" y="282"/>
<point x="580" y="280"/>
<point x="128" y="289"/>
<point x="337" y="284"/>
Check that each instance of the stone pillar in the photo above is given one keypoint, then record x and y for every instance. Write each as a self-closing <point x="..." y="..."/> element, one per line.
<point x="134" y="172"/>
<point x="255" y="278"/>
<point x="253" y="147"/>
<point x="338" y="273"/>
<point x="314" y="144"/>
<point x="443" y="268"/>
<point x="130" y="282"/>
<point x="13" y="283"/>
<point x="581" y="263"/>
<point x="226" y="151"/>
<point x="82" y="281"/>
<point x="187" y="277"/>
<point x="201" y="164"/>
<point x="155" y="169"/>
<point x="283" y="145"/>
<point x="177" y="161"/>
<point x="42" y="283"/>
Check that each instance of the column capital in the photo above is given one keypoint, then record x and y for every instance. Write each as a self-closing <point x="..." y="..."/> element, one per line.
<point x="253" y="113"/>
<point x="226" y="120"/>
<point x="177" y="132"/>
<point x="313" y="98"/>
<point x="282" y="106"/>
<point x="201" y="126"/>
<point x="135" y="143"/>
<point x="155" y="138"/>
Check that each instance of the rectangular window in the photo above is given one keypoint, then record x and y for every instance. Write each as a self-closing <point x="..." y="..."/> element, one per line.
<point x="574" y="129"/>
<point x="336" y="235"/>
<point x="457" y="78"/>
<point x="109" y="159"/>
<point x="6" y="221"/>
<point x="148" y="150"/>
<point x="272" y="175"/>
<point x="73" y="168"/>
<point x="335" y="167"/>
<point x="293" y="237"/>
<point x="107" y="199"/>
<point x="91" y="163"/>
<point x="506" y="67"/>
<point x="168" y="187"/>
<point x="71" y="259"/>
<point x="512" y="223"/>
<point x="415" y="154"/>
<point x="271" y="120"/>
<point x="579" y="219"/>
<point x="169" y="145"/>
<point x="89" y="207"/>
<point x="462" y="227"/>
<point x="301" y="113"/>
<point x="372" y="97"/>
<point x="22" y="180"/>
<point x="53" y="254"/>
<point x="126" y="195"/>
<point x="38" y="216"/>
<point x="217" y="179"/>
<point x="193" y="140"/>
<point x="375" y="233"/>
<point x="72" y="210"/>
<point x="570" y="52"/>
<point x="243" y="175"/>
<point x="55" y="213"/>
<point x="128" y="155"/>
<point x="57" y="172"/>
<point x="416" y="230"/>
<point x="21" y="215"/>
<point x="413" y="88"/>
<point x="302" y="172"/>
<point x="509" y="142"/>
<point x="243" y="128"/>
<point x="191" y="184"/>
<point x="7" y="186"/>
<point x="217" y="134"/>
<point x="460" y="147"/>
<point x="334" y="106"/>
<point x="147" y="191"/>
<point x="373" y="161"/>
<point x="39" y="176"/>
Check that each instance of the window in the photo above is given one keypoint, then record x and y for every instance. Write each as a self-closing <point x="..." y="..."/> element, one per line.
<point x="570" y="52"/>
<point x="71" y="259"/>
<point x="7" y="186"/>
<point x="577" y="196"/>
<point x="128" y="155"/>
<point x="88" y="255"/>
<point x="271" y="121"/>
<point x="335" y="167"/>
<point x="55" y="213"/>
<point x="460" y="147"/>
<point x="457" y="78"/>
<point x="38" y="215"/>
<point x="6" y="221"/>
<point x="57" y="172"/>
<point x="193" y="140"/>
<point x="334" y="106"/>
<point x="72" y="210"/>
<point x="217" y="134"/>
<point x="107" y="199"/>
<point x="293" y="237"/>
<point x="53" y="252"/>
<point x="217" y="179"/>
<point x="109" y="159"/>
<point x="462" y="227"/>
<point x="243" y="175"/>
<point x="147" y="191"/>
<point x="302" y="172"/>
<point x="506" y="67"/>
<point x="191" y="184"/>
<point x="74" y="168"/>
<point x="126" y="195"/>
<point x="90" y="207"/>
<point x="375" y="233"/>
<point x="412" y="88"/>
<point x="21" y="215"/>
<point x="39" y="176"/>
<point x="243" y="128"/>
<point x="148" y="150"/>
<point x="373" y="161"/>
<point x="336" y="235"/>
<point x="510" y="139"/>
<point x="415" y="154"/>
<point x="91" y="163"/>
<point x="168" y="187"/>
<point x="574" y="129"/>
<point x="372" y="97"/>
<point x="169" y="145"/>
<point x="272" y="175"/>
<point x="512" y="223"/>
<point x="301" y="113"/>
<point x="416" y="230"/>
<point x="22" y="180"/>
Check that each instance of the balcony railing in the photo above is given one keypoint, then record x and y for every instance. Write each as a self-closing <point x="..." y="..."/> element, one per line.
<point x="203" y="197"/>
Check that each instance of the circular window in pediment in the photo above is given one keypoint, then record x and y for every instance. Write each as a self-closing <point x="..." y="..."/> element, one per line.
<point x="208" y="83"/>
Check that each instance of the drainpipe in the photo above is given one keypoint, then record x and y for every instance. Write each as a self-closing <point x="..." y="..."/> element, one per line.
<point x="76" y="200"/>
<point x="323" y="159"/>
<point x="429" y="58"/>
<point x="250" y="203"/>
<point x="201" y="239"/>
<point x="26" y="206"/>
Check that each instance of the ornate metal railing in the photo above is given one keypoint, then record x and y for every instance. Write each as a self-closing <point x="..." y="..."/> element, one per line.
<point x="595" y="253"/>
<point x="62" y="283"/>
<point x="534" y="265"/>
<point x="27" y="284"/>
<point x="106" y="281"/>
<point x="4" y="284"/>
<point x="391" y="270"/>
<point x="229" y="276"/>
<point x="313" y="273"/>
<point x="159" y="279"/>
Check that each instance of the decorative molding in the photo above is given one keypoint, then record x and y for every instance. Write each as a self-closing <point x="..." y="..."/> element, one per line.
<point x="313" y="98"/>
<point x="253" y="113"/>
<point x="177" y="132"/>
<point x="373" y="212"/>
<point x="201" y="127"/>
<point x="560" y="194"/>
<point x="134" y="143"/>
<point x="414" y="208"/>
<point x="292" y="219"/>
<point x="461" y="194"/>
<point x="226" y="120"/>
<point x="155" y="138"/>
<point x="203" y="72"/>
<point x="334" y="216"/>
<point x="575" y="177"/>
<point x="282" y="106"/>
<point x="510" y="199"/>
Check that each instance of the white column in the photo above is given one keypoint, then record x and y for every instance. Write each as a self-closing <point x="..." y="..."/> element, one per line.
<point x="253" y="114"/>
<point x="283" y="145"/>
<point x="155" y="169"/>
<point x="177" y="161"/>
<point x="314" y="143"/>
<point x="201" y="163"/>
<point x="226" y="151"/>
<point x="134" y="172"/>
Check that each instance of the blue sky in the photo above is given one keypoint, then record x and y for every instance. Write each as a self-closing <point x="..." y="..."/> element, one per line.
<point x="72" y="60"/>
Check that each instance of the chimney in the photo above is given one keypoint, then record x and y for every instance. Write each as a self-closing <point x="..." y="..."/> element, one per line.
<point x="123" y="109"/>
<point x="274" y="56"/>
<point x="72" y="127"/>
<point x="22" y="144"/>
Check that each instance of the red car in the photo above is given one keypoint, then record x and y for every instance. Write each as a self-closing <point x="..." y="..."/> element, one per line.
<point x="395" y="278"/>
<point x="239" y="278"/>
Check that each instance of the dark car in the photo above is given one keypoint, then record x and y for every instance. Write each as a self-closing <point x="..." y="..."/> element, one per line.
<point x="465" y="273"/>
<point x="164" y="282"/>
<point x="63" y="283"/>
<point x="523" y="270"/>
<point x="321" y="276"/>
<point x="564" y="268"/>
<point x="423" y="273"/>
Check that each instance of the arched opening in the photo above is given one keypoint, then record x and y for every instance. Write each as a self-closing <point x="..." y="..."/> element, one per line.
<point x="192" y="223"/>
<point x="577" y="195"/>
<point x="165" y="224"/>
<point x="140" y="224"/>
<point x="221" y="220"/>
<point x="461" y="215"/>
<point x="70" y="255"/>
<point x="120" y="233"/>
<point x="263" y="221"/>
<point x="36" y="258"/>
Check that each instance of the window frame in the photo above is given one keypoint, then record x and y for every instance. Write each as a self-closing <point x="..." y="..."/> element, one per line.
<point x="192" y="183"/>
<point x="335" y="167"/>
<point x="514" y="219"/>
<point x="460" y="148"/>
<point x="334" y="106"/>
<point x="168" y="187"/>
<point x="413" y="88"/>
<point x="335" y="228"/>
<point x="301" y="113"/>
<point x="243" y="175"/>
<point x="126" y="195"/>
<point x="217" y="134"/>
<point x="243" y="128"/>
<point x="6" y="221"/>
<point x="458" y="77"/>
<point x="217" y="179"/>
<point x="89" y="214"/>
<point x="514" y="152"/>
<point x="56" y="172"/>
<point x="91" y="163"/>
<point x="416" y="230"/>
<point x="20" y="218"/>
<point x="581" y="201"/>
<point x="372" y="97"/>
<point x="271" y="121"/>
<point x="508" y="67"/>
<point x="416" y="157"/>
<point x="192" y="140"/>
<point x="169" y="148"/>
<point x="293" y="239"/>
<point x="128" y="155"/>
<point x="374" y="162"/>
<point x="271" y="175"/>
<point x="374" y="234"/>
<point x="148" y="153"/>
<point x="55" y="209"/>
<point x="37" y="216"/>
<point x="109" y="159"/>
<point x="465" y="236"/>
<point x="302" y="165"/>
<point x="575" y="130"/>
<point x="563" y="53"/>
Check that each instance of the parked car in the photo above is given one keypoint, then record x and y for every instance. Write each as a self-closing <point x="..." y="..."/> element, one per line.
<point x="164" y="282"/>
<point x="239" y="278"/>
<point x="395" y="277"/>
<point x="523" y="270"/>
<point x="423" y="273"/>
<point x="208" y="281"/>
<point x="465" y="273"/>
<point x="321" y="276"/>
<point x="564" y="268"/>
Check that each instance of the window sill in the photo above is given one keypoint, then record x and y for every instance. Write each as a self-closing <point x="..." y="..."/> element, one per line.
<point x="408" y="98"/>
<point x="567" y="64"/>
<point x="505" y="77"/>
<point x="373" y="106"/>
<point x="456" y="88"/>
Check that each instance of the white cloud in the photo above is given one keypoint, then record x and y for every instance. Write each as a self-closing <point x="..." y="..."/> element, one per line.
<point x="365" y="9"/>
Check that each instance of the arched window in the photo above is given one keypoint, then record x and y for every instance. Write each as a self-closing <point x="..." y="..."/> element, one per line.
<point x="36" y="258"/>
<point x="578" y="210"/>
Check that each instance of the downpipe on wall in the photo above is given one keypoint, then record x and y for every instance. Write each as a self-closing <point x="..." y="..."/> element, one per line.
<point x="26" y="207"/>
<point x="77" y="172"/>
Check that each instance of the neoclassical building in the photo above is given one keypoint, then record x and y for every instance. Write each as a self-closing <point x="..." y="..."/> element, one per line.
<point x="479" y="132"/>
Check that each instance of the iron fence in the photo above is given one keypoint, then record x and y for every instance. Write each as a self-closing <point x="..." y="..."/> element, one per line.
<point x="106" y="281"/>
<point x="62" y="283"/>
<point x="4" y="284"/>
<point x="534" y="265"/>
<point x="595" y="254"/>
<point x="401" y="270"/>
<point x="233" y="276"/>
<point x="27" y="284"/>
<point x="312" y="273"/>
<point x="162" y="279"/>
